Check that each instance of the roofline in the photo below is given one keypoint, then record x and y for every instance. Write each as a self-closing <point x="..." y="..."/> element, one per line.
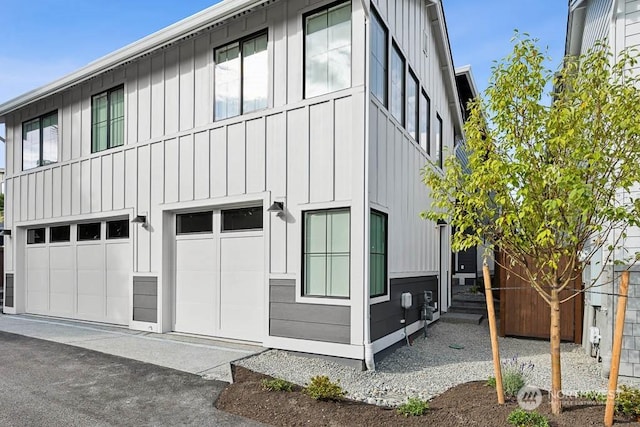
<point x="465" y="70"/>
<point x="166" y="36"/>
<point x="575" y="27"/>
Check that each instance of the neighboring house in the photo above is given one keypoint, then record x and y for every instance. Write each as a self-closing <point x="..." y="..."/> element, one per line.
<point x="249" y="173"/>
<point x="617" y="22"/>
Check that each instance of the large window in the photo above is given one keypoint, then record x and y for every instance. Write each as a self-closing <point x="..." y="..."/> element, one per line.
<point x="327" y="56"/>
<point x="326" y="254"/>
<point x="378" y="59"/>
<point x="412" y="106"/>
<point x="397" y="85"/>
<point x="425" y="122"/>
<point x="40" y="141"/>
<point x="439" y="154"/>
<point x="241" y="77"/>
<point x="378" y="254"/>
<point x="107" y="119"/>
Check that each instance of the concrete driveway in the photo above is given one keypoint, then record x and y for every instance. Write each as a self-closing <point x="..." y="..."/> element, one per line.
<point x="48" y="383"/>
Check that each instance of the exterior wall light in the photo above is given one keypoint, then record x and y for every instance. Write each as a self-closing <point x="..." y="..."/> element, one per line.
<point x="278" y="208"/>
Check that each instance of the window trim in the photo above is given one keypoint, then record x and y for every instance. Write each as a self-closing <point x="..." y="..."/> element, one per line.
<point x="124" y="116"/>
<point x="107" y="236"/>
<point x="412" y="78"/>
<point x="44" y="236"/>
<point x="301" y="292"/>
<point x="40" y="140"/>
<point x="304" y="46"/>
<point x="241" y="41"/>
<point x="377" y="17"/>
<point x="194" y="233"/>
<point x="52" y="241"/>
<point x="258" y="208"/>
<point x="440" y="159"/>
<point x="386" y="293"/>
<point x="99" y="239"/>
<point x="427" y="147"/>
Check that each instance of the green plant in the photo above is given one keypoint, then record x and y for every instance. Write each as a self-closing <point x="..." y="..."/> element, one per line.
<point x="491" y="382"/>
<point x="521" y="418"/>
<point x="414" y="407"/>
<point x="277" y="384"/>
<point x="514" y="376"/>
<point x="593" y="395"/>
<point x="322" y="388"/>
<point x="628" y="401"/>
<point x="474" y="289"/>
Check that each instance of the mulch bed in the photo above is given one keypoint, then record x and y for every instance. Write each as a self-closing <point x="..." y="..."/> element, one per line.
<point x="470" y="404"/>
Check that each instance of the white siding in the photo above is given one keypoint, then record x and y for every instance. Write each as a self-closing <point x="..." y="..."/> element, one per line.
<point x="596" y="24"/>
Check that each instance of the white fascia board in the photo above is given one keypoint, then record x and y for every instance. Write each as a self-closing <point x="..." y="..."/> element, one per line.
<point x="466" y="70"/>
<point x="166" y="36"/>
<point x="575" y="27"/>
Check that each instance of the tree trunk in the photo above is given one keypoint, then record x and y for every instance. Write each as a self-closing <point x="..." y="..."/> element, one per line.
<point x="556" y="378"/>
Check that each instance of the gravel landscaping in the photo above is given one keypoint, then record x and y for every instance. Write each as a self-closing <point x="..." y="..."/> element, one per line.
<point x="430" y="366"/>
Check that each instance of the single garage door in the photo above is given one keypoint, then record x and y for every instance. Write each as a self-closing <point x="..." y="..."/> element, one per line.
<point x="220" y="279"/>
<point x="80" y="271"/>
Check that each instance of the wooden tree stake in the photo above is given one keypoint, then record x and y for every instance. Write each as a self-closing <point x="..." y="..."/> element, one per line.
<point x="617" y="347"/>
<point x="494" y="333"/>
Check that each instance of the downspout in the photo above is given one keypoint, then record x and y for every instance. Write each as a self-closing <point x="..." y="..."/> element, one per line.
<point x="366" y="335"/>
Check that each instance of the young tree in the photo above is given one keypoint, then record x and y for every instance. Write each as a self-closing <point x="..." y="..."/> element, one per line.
<point x="547" y="184"/>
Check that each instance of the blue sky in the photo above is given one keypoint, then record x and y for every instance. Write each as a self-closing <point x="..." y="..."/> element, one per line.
<point x="46" y="39"/>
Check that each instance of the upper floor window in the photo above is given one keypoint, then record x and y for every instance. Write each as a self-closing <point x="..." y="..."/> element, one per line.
<point x="425" y="122"/>
<point x="378" y="73"/>
<point x="107" y="119"/>
<point x="40" y="141"/>
<point x="412" y="105"/>
<point x="241" y="77"/>
<point x="439" y="141"/>
<point x="327" y="56"/>
<point x="397" y="84"/>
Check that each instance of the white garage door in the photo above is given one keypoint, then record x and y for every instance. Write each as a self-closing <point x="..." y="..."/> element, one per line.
<point x="220" y="278"/>
<point x="80" y="271"/>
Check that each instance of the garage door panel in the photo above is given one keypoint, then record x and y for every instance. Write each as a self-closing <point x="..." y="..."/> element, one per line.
<point x="38" y="301"/>
<point x="195" y="255"/>
<point x="62" y="282"/>
<point x="91" y="305"/>
<point x="118" y="310"/>
<point x="61" y="257"/>
<point x="62" y="304"/>
<point x="90" y="257"/>
<point x="90" y="282"/>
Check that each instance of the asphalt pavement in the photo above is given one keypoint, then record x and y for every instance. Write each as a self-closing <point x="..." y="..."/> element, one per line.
<point x="45" y="383"/>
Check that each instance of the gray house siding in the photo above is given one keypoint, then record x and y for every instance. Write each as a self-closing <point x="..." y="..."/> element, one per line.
<point x="8" y="294"/>
<point x="145" y="299"/>
<point x="596" y="25"/>
<point x="314" y="322"/>
<point x="386" y="316"/>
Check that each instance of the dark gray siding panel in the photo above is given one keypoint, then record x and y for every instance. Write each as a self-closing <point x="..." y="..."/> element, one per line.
<point x="386" y="316"/>
<point x="8" y="298"/>
<point x="314" y="322"/>
<point x="145" y="299"/>
<point x="468" y="259"/>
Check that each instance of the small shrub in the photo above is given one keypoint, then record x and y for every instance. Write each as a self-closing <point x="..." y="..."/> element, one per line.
<point x="514" y="376"/>
<point x="414" y="407"/>
<point x="277" y="384"/>
<point x="593" y="395"/>
<point x="628" y="401"/>
<point x="322" y="388"/>
<point x="491" y="382"/>
<point x="521" y="418"/>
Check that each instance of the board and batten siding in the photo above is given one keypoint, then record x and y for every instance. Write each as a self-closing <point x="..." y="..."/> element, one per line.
<point x="317" y="322"/>
<point x="597" y="23"/>
<point x="395" y="159"/>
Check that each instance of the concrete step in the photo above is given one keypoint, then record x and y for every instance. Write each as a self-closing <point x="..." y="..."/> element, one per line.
<point x="452" y="317"/>
<point x="482" y="311"/>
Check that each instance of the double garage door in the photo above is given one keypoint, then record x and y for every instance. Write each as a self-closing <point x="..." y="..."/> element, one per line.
<point x="220" y="279"/>
<point x="80" y="271"/>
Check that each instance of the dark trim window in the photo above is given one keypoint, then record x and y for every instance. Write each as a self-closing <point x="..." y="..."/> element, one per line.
<point x="413" y="89"/>
<point x="397" y="84"/>
<point x="107" y="119"/>
<point x="60" y="233"/>
<point x="90" y="231"/>
<point x="40" y="141"/>
<point x="327" y="50"/>
<point x="379" y="59"/>
<point x="35" y="236"/>
<point x="118" y="229"/>
<point x="425" y="122"/>
<point x="326" y="253"/>
<point x="439" y="146"/>
<point x="195" y="222"/>
<point x="378" y="254"/>
<point x="241" y="77"/>
<point x="242" y="219"/>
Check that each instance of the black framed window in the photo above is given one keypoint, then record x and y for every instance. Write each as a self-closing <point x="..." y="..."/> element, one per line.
<point x="241" y="77"/>
<point x="439" y="146"/>
<point x="379" y="59"/>
<point x="89" y="231"/>
<point x="107" y="119"/>
<point x="60" y="233"/>
<point x="118" y="229"/>
<point x="35" y="236"/>
<point x="326" y="253"/>
<point x="378" y="254"/>
<point x="40" y="141"/>
<point x="242" y="219"/>
<point x="397" y="84"/>
<point x="195" y="222"/>
<point x="327" y="50"/>
<point x="425" y="122"/>
<point x="413" y="89"/>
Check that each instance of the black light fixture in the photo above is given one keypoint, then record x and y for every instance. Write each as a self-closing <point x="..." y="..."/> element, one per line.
<point x="5" y="232"/>
<point x="441" y="222"/>
<point x="139" y="219"/>
<point x="278" y="208"/>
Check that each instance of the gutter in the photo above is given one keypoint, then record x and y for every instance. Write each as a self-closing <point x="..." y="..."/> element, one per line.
<point x="191" y="25"/>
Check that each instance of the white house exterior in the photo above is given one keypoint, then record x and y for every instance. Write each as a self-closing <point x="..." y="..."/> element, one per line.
<point x="138" y="187"/>
<point x="617" y="22"/>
